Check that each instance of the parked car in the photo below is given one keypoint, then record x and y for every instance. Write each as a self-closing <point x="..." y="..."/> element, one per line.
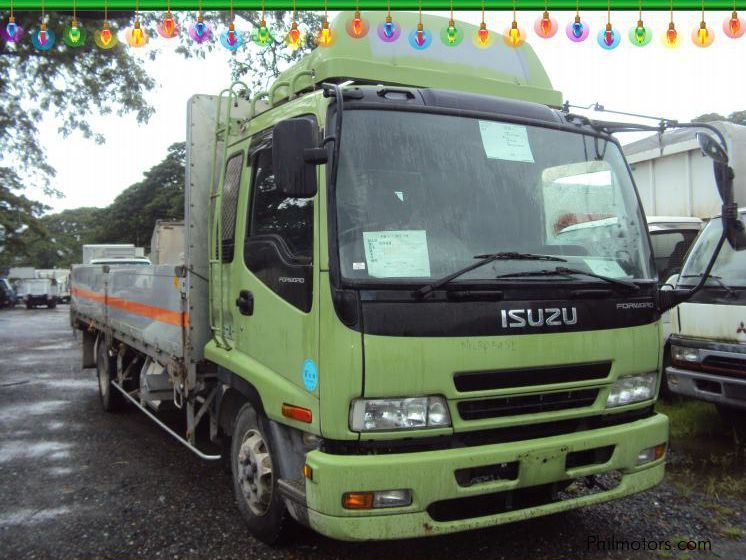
<point x="8" y="297"/>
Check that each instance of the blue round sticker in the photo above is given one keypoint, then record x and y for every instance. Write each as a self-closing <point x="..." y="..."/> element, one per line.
<point x="310" y="375"/>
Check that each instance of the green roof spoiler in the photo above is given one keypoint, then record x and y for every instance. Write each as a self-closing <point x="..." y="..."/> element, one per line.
<point x="498" y="70"/>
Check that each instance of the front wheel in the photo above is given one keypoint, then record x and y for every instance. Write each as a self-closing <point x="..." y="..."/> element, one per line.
<point x="106" y="367"/>
<point x="255" y="478"/>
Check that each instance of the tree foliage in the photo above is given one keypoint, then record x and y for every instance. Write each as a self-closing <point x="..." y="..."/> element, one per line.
<point x="69" y="85"/>
<point x="129" y="219"/>
<point x="737" y="117"/>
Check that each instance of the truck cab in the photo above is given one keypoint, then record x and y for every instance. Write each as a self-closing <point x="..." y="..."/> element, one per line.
<point x="406" y="342"/>
<point x="708" y="339"/>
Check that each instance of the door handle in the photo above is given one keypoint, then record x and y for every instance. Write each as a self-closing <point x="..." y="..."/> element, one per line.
<point x="245" y="302"/>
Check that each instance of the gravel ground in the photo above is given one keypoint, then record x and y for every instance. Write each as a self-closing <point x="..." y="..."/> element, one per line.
<point x="79" y="483"/>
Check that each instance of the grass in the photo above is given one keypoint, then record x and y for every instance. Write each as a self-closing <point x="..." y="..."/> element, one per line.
<point x="734" y="533"/>
<point x="693" y="419"/>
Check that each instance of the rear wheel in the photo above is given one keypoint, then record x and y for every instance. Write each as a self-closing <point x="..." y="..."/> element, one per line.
<point x="28" y="305"/>
<point x="52" y="305"/>
<point x="111" y="399"/>
<point x="255" y="479"/>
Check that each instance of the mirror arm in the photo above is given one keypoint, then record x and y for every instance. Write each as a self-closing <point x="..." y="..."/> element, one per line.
<point x="668" y="299"/>
<point x="334" y="89"/>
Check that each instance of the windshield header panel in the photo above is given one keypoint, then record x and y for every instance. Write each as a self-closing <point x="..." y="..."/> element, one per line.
<point x="420" y="193"/>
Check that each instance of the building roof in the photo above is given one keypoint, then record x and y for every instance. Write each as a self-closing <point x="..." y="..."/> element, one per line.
<point x="672" y="138"/>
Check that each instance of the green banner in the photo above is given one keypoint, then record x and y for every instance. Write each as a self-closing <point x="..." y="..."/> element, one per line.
<point x="491" y="5"/>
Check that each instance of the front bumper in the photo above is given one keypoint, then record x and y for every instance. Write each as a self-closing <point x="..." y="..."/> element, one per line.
<point x="718" y="389"/>
<point x="430" y="476"/>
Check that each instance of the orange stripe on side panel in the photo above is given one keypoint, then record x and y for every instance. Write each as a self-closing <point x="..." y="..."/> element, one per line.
<point x="177" y="318"/>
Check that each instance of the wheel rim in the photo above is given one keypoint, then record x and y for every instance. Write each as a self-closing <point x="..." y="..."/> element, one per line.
<point x="255" y="472"/>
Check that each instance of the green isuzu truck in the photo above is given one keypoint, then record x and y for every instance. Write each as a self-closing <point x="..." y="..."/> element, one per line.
<point x="418" y="297"/>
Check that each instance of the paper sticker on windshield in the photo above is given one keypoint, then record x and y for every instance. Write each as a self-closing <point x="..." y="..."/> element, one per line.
<point x="396" y="254"/>
<point x="606" y="268"/>
<point x="505" y="141"/>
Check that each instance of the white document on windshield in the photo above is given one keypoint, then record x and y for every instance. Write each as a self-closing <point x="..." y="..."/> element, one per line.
<point x="505" y="141"/>
<point x="397" y="254"/>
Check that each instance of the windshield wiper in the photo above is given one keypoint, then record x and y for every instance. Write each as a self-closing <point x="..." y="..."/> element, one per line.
<point x="718" y="280"/>
<point x="563" y="271"/>
<point x="483" y="260"/>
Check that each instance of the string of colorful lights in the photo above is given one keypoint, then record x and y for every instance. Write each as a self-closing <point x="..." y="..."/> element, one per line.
<point x="357" y="27"/>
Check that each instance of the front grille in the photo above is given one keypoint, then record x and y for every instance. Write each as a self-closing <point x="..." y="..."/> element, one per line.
<point x="472" y="507"/>
<point x="722" y="365"/>
<point x="508" y="379"/>
<point x="526" y="404"/>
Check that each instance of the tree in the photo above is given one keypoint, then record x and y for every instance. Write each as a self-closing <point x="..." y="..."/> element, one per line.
<point x="737" y="117"/>
<point x="70" y="84"/>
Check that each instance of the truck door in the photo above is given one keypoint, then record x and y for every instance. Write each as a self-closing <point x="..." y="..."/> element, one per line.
<point x="273" y="278"/>
<point x="235" y="175"/>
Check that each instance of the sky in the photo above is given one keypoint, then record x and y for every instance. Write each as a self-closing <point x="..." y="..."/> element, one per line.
<point x="677" y="83"/>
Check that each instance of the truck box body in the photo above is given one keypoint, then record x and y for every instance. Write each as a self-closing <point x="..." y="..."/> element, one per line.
<point x="674" y="178"/>
<point x="167" y="243"/>
<point x="296" y="329"/>
<point x="40" y="291"/>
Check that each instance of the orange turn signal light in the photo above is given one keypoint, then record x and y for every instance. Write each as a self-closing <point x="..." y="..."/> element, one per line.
<point x="308" y="472"/>
<point x="660" y="450"/>
<point x="357" y="500"/>
<point x="297" y="413"/>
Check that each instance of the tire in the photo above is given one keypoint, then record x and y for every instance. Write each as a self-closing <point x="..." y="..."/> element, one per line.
<point x="51" y="305"/>
<point x="256" y="494"/>
<point x="29" y="306"/>
<point x="111" y="399"/>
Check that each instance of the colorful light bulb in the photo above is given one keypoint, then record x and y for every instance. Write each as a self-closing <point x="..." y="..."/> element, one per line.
<point x="609" y="38"/>
<point x="74" y="35"/>
<point x="483" y="38"/>
<point x="43" y="39"/>
<point x="733" y="27"/>
<point x="293" y="39"/>
<point x="420" y="38"/>
<point x="325" y="37"/>
<point x="640" y="35"/>
<point x="389" y="31"/>
<point x="514" y="35"/>
<point x="232" y="39"/>
<point x="451" y="35"/>
<point x="671" y="36"/>
<point x="104" y="38"/>
<point x="357" y="27"/>
<point x="703" y="36"/>
<point x="167" y="27"/>
<point x="199" y="31"/>
<point x="262" y="36"/>
<point x="577" y="30"/>
<point x="546" y="27"/>
<point x="11" y="32"/>
<point x="136" y="36"/>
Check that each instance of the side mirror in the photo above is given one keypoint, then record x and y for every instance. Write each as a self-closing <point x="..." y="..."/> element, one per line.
<point x="735" y="232"/>
<point x="295" y="154"/>
<point x="712" y="148"/>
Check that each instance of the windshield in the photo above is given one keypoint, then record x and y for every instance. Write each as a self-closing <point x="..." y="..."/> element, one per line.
<point x="419" y="195"/>
<point x="730" y="266"/>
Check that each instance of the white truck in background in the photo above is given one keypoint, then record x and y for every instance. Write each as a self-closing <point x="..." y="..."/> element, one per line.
<point x="40" y="292"/>
<point x="707" y="357"/>
<point x="677" y="188"/>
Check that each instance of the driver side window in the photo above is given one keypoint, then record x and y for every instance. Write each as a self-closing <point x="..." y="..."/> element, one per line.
<point x="279" y="240"/>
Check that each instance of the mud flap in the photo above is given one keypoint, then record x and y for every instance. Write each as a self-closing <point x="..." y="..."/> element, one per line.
<point x="89" y="349"/>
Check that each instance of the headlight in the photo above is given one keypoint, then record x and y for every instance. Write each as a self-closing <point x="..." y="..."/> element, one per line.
<point x="632" y="389"/>
<point x="399" y="414"/>
<point x="684" y="354"/>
